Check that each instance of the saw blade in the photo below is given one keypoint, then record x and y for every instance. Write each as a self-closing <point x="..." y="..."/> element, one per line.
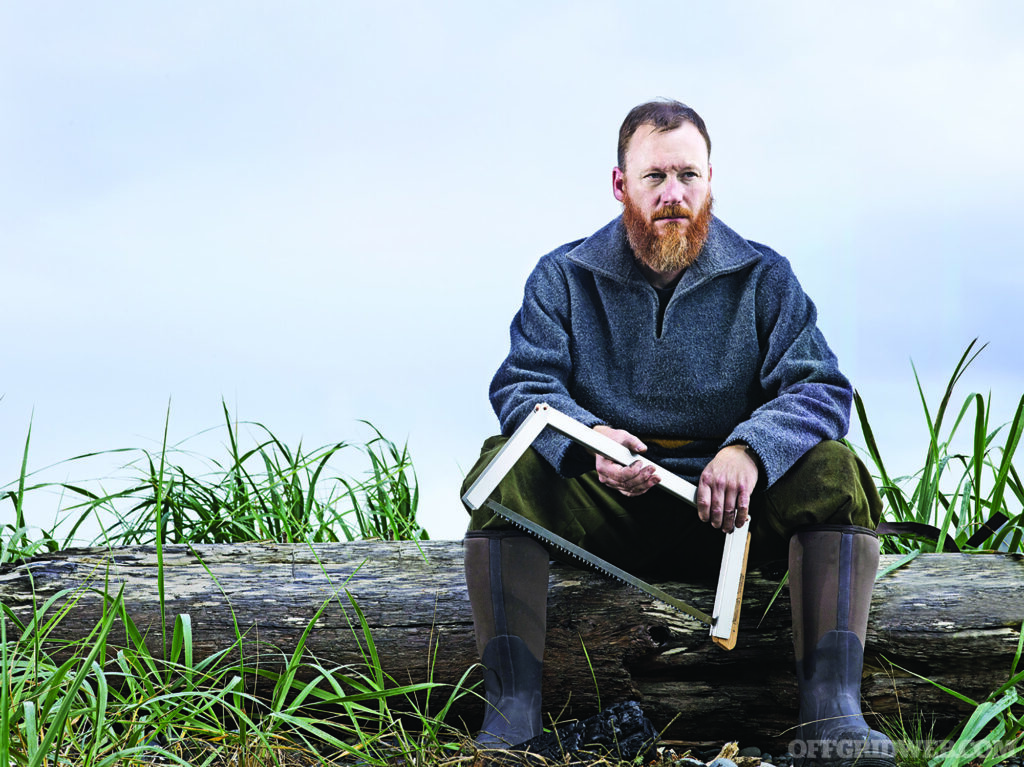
<point x="596" y="562"/>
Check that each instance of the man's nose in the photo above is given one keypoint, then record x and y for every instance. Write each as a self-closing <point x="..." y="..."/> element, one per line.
<point x="672" y="191"/>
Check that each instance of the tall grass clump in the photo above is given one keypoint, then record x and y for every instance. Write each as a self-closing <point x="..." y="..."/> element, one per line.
<point x="108" y="699"/>
<point x="968" y="488"/>
<point x="268" y="491"/>
<point x="966" y="496"/>
<point x="384" y="504"/>
<point x="992" y="734"/>
<point x="18" y="539"/>
<point x="122" y="695"/>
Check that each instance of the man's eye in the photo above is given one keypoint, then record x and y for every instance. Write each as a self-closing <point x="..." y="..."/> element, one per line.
<point x="655" y="176"/>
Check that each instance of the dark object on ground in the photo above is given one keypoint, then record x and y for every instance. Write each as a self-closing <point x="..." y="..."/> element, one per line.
<point x="620" y="731"/>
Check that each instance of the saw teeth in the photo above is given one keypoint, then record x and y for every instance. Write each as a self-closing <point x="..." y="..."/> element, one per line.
<point x="590" y="564"/>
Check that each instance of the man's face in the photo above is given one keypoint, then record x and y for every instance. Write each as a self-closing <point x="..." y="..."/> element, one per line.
<point x="666" y="190"/>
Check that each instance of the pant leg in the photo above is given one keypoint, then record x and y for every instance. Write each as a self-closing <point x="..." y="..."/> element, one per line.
<point x="655" y="534"/>
<point x="829" y="485"/>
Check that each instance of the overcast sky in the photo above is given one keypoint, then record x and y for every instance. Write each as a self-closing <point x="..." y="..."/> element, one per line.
<point x="323" y="212"/>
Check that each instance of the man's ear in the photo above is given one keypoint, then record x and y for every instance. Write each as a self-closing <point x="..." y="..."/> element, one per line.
<point x="618" y="184"/>
<point x="709" y="172"/>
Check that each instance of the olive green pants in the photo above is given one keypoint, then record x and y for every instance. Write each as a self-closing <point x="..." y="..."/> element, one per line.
<point x="661" y="536"/>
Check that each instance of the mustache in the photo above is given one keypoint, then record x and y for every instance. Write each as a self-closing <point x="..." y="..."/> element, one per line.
<point x="672" y="211"/>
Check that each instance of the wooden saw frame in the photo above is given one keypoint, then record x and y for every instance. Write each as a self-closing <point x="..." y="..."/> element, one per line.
<point x="724" y="619"/>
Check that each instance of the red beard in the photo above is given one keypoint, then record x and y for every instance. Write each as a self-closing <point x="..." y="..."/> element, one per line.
<point x="678" y="246"/>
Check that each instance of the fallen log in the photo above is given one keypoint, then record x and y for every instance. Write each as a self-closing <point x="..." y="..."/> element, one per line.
<point x="952" y="618"/>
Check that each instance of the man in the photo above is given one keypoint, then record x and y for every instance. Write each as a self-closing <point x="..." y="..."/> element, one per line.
<point x="676" y="337"/>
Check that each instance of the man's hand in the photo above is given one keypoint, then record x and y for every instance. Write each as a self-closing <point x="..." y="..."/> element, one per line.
<point x="635" y="479"/>
<point x="723" y="493"/>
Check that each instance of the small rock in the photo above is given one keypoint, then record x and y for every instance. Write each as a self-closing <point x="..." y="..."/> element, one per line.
<point x="751" y="751"/>
<point x="722" y="762"/>
<point x="729" y="751"/>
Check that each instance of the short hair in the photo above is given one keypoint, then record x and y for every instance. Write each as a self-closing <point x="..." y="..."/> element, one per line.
<point x="664" y="115"/>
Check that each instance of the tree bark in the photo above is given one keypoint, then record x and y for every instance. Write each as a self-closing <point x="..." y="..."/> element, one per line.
<point x="952" y="618"/>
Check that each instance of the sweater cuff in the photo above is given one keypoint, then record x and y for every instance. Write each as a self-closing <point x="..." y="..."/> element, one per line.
<point x="571" y="459"/>
<point x="757" y="455"/>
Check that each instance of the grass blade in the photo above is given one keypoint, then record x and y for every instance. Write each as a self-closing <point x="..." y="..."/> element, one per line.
<point x="36" y="759"/>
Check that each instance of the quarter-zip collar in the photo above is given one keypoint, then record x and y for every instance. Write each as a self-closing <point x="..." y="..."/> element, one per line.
<point x="607" y="252"/>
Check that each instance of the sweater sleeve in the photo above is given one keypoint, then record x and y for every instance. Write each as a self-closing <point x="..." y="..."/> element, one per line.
<point x="539" y="367"/>
<point x="806" y="398"/>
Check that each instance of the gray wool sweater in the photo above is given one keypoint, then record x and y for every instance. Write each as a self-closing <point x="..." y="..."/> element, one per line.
<point x="739" y="359"/>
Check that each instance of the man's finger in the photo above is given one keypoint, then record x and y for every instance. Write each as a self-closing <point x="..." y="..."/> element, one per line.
<point x="729" y="517"/>
<point x="743" y="507"/>
<point x="616" y="472"/>
<point x="703" y="502"/>
<point x="717" y="510"/>
<point x="641" y="482"/>
<point x="721" y="497"/>
<point x="729" y="508"/>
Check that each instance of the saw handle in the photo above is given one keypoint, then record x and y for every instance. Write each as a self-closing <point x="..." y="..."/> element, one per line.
<point x="725" y="624"/>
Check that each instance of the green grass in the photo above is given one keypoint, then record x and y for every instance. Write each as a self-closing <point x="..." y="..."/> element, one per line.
<point x="967" y="487"/>
<point x="98" y="702"/>
<point x="266" y="491"/>
<point x="992" y="733"/>
<point x="969" y="491"/>
<point x="107" y="701"/>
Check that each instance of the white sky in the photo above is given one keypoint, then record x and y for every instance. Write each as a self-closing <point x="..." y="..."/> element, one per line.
<point x="325" y="211"/>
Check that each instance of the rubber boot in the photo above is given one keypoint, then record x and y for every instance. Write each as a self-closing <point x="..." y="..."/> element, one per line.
<point x="831" y="575"/>
<point x="507" y="579"/>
